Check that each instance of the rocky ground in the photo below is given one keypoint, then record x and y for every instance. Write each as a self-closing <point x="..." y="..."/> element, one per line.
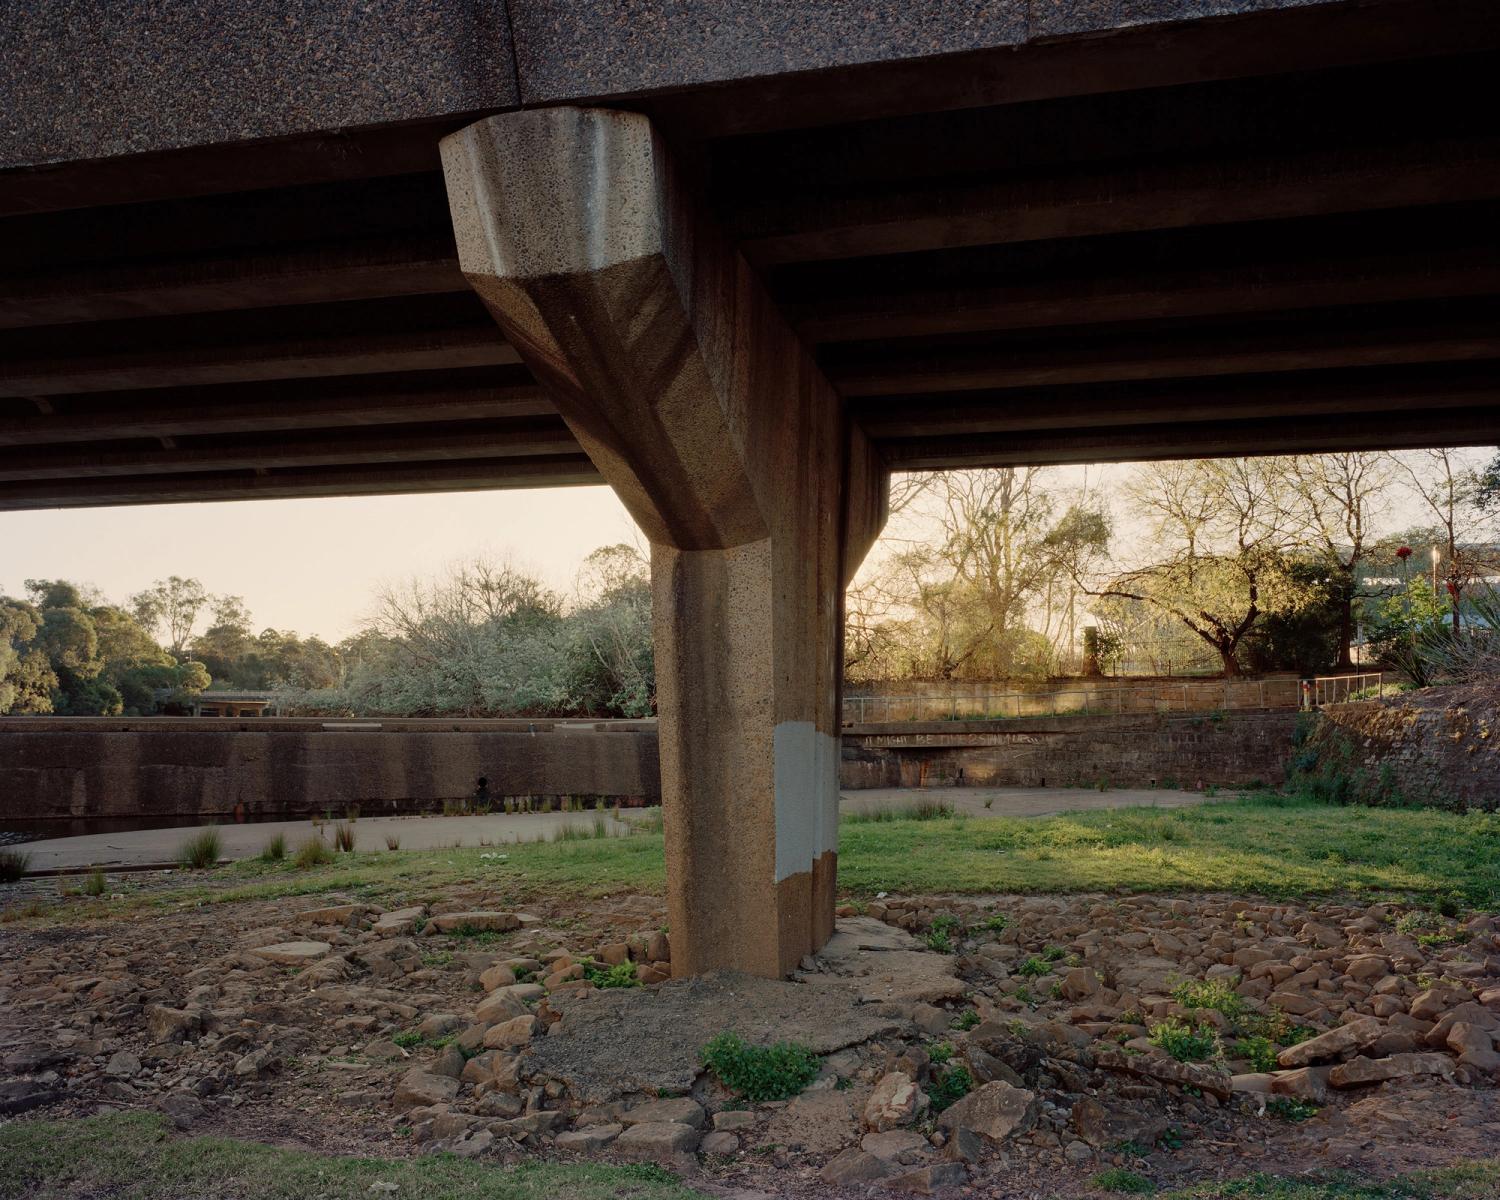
<point x="1011" y="1046"/>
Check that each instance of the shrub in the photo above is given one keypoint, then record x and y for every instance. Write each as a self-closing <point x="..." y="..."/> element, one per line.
<point x="407" y="1038"/>
<point x="759" y="1073"/>
<point x="201" y="851"/>
<point x="1289" y="1108"/>
<point x="966" y="1019"/>
<point x="1185" y="1044"/>
<point x="996" y="924"/>
<point x="275" y="849"/>
<point x="940" y="1052"/>
<point x="1217" y="994"/>
<point x="95" y="885"/>
<point x="313" y="853"/>
<point x="621" y="975"/>
<point x="1258" y="1051"/>
<point x="343" y="837"/>
<point x="13" y="864"/>
<point x="1118" y="1179"/>
<point x="1033" y="968"/>
<point x="949" y="1087"/>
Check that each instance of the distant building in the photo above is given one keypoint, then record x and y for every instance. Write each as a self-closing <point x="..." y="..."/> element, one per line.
<point x="219" y="704"/>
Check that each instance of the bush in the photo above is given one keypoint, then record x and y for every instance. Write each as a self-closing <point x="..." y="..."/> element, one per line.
<point x="275" y="849"/>
<point x="1258" y="1051"/>
<point x="313" y="853"/>
<point x="1216" y="994"/>
<point x="759" y="1073"/>
<point x="202" y="850"/>
<point x="1289" y="1108"/>
<point x="343" y="838"/>
<point x="1033" y="968"/>
<point x="1184" y="1044"/>
<point x="13" y="864"/>
<point x="949" y="1087"/>
<point x="966" y="1019"/>
<point x="621" y="975"/>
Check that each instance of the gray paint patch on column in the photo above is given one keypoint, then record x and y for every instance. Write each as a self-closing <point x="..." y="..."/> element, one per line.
<point x="806" y="775"/>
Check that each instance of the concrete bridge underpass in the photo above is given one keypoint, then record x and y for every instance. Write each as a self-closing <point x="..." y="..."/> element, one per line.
<point x="740" y="263"/>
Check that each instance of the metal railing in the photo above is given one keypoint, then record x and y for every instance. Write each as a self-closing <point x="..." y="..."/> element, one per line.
<point x="1219" y="695"/>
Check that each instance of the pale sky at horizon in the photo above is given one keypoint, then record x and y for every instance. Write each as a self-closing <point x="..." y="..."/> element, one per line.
<point x="313" y="566"/>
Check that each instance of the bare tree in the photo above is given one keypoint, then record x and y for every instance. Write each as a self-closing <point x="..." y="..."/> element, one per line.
<point x="1452" y="492"/>
<point x="1218" y="552"/>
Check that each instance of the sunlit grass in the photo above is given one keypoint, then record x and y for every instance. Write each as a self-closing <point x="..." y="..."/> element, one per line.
<point x="1263" y="845"/>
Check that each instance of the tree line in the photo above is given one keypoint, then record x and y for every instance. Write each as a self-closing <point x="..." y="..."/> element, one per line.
<point x="1231" y="565"/>
<point x="484" y="640"/>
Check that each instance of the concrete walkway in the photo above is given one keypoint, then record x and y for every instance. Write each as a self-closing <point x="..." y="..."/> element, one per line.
<point x="148" y="846"/>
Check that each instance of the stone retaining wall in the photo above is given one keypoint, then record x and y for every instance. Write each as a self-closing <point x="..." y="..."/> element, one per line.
<point x="1135" y="751"/>
<point x="1433" y="747"/>
<point x="60" y="771"/>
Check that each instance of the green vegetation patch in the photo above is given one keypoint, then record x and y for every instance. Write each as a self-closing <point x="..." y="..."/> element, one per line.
<point x="1118" y="1179"/>
<point x="132" y="1154"/>
<point x="1184" y="1043"/>
<point x="759" y="1073"/>
<point x="1466" y="1181"/>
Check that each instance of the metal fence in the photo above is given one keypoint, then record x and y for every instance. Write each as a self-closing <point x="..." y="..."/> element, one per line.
<point x="1188" y="696"/>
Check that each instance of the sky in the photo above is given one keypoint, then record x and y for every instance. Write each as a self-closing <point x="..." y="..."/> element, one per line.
<point x="311" y="566"/>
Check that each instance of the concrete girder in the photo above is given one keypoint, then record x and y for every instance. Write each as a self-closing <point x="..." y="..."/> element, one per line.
<point x="669" y="361"/>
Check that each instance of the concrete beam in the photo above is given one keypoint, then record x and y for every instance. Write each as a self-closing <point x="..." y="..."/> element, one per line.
<point x="680" y="379"/>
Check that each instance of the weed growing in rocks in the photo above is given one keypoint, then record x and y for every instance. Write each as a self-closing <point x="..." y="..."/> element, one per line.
<point x="621" y="975"/>
<point x="274" y="850"/>
<point x="940" y="1053"/>
<point x="1217" y="994"/>
<point x="13" y="864"/>
<point x="1183" y="1043"/>
<point x="948" y="1087"/>
<point x="407" y="1038"/>
<point x="1033" y="968"/>
<point x="999" y="923"/>
<point x="313" y="853"/>
<point x="966" y="1020"/>
<point x="1118" y="1179"/>
<point x="201" y="851"/>
<point x="95" y="884"/>
<point x="1289" y="1108"/>
<point x="1258" y="1051"/>
<point x="945" y="929"/>
<point x="760" y="1073"/>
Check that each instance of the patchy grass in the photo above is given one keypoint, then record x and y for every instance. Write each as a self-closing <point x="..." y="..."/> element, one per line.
<point x="1264" y="844"/>
<point x="132" y="1154"/>
<point x="1467" y="1181"/>
<point x="13" y="864"/>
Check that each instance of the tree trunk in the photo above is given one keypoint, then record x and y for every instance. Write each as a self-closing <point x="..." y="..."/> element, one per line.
<point x="1346" y="629"/>
<point x="1231" y="664"/>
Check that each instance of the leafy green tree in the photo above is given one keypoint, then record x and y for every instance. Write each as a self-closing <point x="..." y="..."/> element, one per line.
<point x="172" y="606"/>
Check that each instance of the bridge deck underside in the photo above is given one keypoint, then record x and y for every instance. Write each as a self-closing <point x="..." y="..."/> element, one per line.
<point x="1259" y="265"/>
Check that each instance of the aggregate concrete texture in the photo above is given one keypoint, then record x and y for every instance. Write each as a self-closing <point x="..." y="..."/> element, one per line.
<point x="682" y="381"/>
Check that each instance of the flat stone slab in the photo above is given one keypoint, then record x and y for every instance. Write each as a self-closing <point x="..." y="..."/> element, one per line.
<point x="293" y="954"/>
<point x="483" y="922"/>
<point x="888" y="965"/>
<point x="616" y="1041"/>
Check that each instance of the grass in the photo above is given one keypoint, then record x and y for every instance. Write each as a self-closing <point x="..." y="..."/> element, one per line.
<point x="95" y="884"/>
<point x="202" y="850"/>
<point x="132" y="1154"/>
<point x="1117" y="1179"/>
<point x="343" y="837"/>
<point x="760" y="1073"/>
<point x="13" y="864"/>
<point x="274" y="850"/>
<point x="1466" y="1181"/>
<point x="312" y="853"/>
<point x="1262" y="845"/>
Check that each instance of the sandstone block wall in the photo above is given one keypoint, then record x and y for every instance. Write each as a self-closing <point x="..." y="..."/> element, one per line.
<point x="1136" y="751"/>
<point x="1433" y="747"/>
<point x="50" y="773"/>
